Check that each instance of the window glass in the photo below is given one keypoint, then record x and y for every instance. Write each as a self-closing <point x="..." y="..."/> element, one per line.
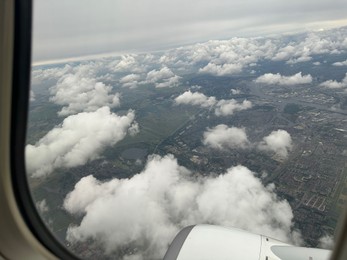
<point x="149" y="116"/>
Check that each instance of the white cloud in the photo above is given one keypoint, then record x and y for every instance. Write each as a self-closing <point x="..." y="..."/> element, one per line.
<point x="165" y="59"/>
<point x="235" y="91"/>
<point x="79" y="91"/>
<point x="340" y="63"/>
<point x="195" y="98"/>
<point x="146" y="211"/>
<point x="131" y="80"/>
<point x="228" y="107"/>
<point x="335" y="84"/>
<point x="326" y="242"/>
<point x="223" y="137"/>
<point x="226" y="57"/>
<point x="168" y="83"/>
<point x="316" y="43"/>
<point x="196" y="87"/>
<point x="79" y="139"/>
<point x="313" y="44"/>
<point x="222" y="107"/>
<point x="284" y="53"/>
<point x="162" y="78"/>
<point x="273" y="79"/>
<point x="39" y="75"/>
<point x="222" y="69"/>
<point x="278" y="142"/>
<point x="134" y="129"/>
<point x="127" y="63"/>
<point x="42" y="206"/>
<point x="300" y="59"/>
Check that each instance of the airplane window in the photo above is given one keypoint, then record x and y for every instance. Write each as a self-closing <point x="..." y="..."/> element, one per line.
<point x="150" y="116"/>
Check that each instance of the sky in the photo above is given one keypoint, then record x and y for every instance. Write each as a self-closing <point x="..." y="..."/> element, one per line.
<point x="68" y="29"/>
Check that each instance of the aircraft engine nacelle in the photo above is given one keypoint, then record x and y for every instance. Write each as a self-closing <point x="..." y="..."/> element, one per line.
<point x="207" y="242"/>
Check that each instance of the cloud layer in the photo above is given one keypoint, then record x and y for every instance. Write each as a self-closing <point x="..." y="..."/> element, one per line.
<point x="273" y="79"/>
<point x="147" y="210"/>
<point x="79" y="139"/>
<point x="126" y="26"/>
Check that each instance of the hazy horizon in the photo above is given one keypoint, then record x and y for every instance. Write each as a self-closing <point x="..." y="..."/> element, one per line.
<point x="65" y="29"/>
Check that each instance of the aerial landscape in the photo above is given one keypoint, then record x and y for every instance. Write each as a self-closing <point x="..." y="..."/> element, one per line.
<point x="124" y="151"/>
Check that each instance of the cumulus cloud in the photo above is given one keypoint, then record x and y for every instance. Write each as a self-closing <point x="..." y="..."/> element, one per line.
<point x="79" y="91"/>
<point x="127" y="63"/>
<point x="141" y="215"/>
<point x="340" y="63"/>
<point x="38" y="75"/>
<point x="235" y="91"/>
<point x="278" y="142"/>
<point x="273" y="79"/>
<point x="162" y="78"/>
<point x="221" y="70"/>
<point x="314" y="43"/>
<point x="228" y="57"/>
<point x="335" y="84"/>
<point x="223" y="137"/>
<point x="284" y="53"/>
<point x="222" y="107"/>
<point x="79" y="139"/>
<point x="300" y="59"/>
<point x="42" y="206"/>
<point x="134" y="129"/>
<point x="131" y="80"/>
<point x="228" y="107"/>
<point x="195" y="98"/>
<point x="170" y="82"/>
<point x="293" y="54"/>
<point x="326" y="242"/>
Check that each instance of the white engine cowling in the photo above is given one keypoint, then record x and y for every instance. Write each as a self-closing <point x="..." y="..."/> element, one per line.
<point x="207" y="242"/>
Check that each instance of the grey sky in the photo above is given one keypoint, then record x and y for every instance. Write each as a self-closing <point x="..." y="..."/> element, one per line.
<point x="73" y="28"/>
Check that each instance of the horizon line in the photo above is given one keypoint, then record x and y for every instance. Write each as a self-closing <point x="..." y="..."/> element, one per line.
<point x="129" y="52"/>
